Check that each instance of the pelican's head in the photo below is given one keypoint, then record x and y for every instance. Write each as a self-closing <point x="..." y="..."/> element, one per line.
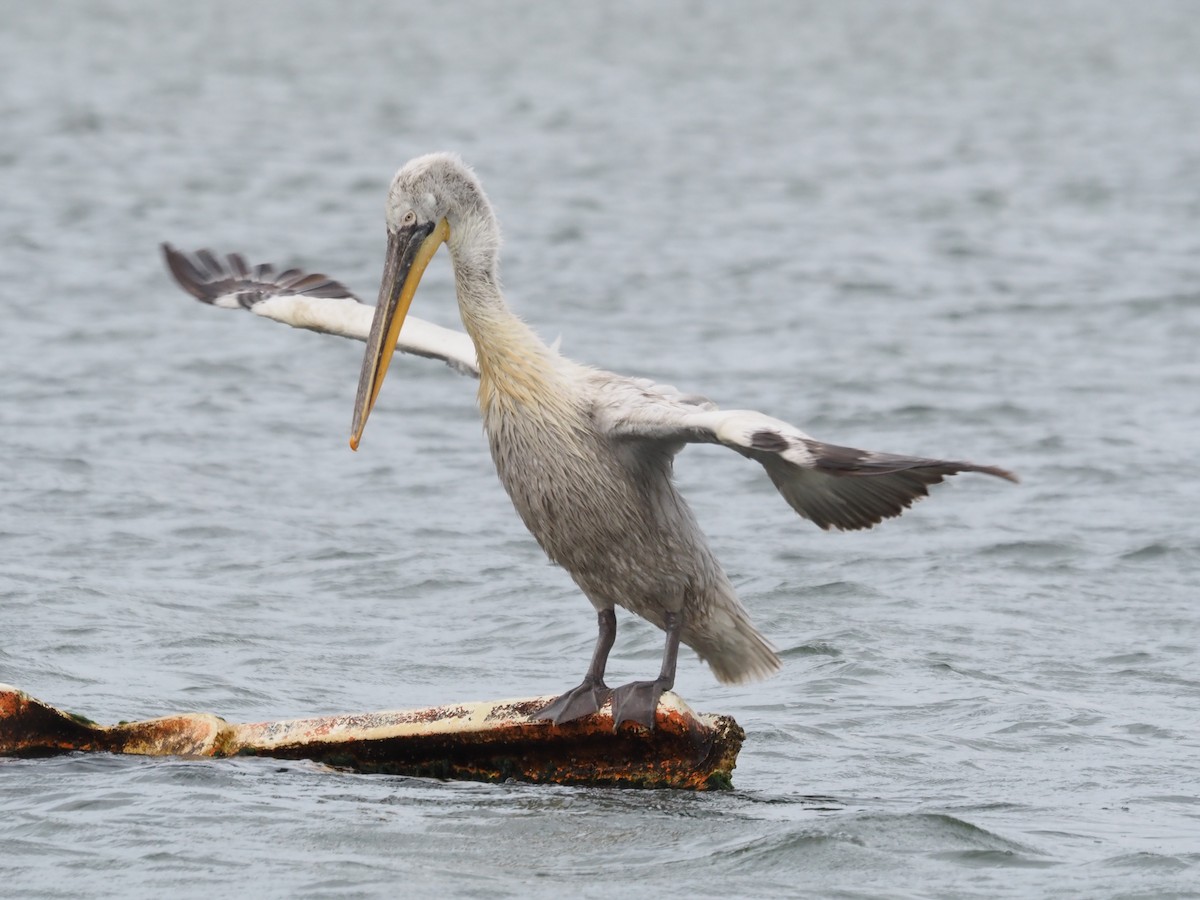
<point x="433" y="199"/>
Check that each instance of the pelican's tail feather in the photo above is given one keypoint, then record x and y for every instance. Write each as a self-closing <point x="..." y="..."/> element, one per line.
<point x="733" y="647"/>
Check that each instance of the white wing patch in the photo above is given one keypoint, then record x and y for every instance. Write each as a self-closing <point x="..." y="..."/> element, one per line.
<point x="344" y="316"/>
<point x="751" y="430"/>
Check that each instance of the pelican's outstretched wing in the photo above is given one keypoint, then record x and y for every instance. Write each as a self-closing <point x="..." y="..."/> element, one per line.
<point x="835" y="487"/>
<point x="302" y="300"/>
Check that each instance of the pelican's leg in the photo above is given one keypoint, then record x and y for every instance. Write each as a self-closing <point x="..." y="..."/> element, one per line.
<point x="638" y="700"/>
<point x="592" y="692"/>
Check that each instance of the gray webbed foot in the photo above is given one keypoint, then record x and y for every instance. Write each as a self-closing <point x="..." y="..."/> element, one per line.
<point x="576" y="703"/>
<point x="637" y="702"/>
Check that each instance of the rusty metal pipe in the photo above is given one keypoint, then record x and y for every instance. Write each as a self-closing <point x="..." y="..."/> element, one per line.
<point x="490" y="741"/>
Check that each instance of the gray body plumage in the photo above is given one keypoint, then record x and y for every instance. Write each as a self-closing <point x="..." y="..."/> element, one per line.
<point x="605" y="508"/>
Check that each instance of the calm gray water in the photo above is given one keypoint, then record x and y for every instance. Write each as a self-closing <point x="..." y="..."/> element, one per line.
<point x="963" y="229"/>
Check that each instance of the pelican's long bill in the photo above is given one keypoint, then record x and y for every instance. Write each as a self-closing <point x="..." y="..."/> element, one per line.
<point x="409" y="251"/>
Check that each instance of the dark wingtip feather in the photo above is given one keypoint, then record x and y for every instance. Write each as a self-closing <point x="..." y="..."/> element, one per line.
<point x="999" y="473"/>
<point x="860" y="488"/>
<point x="209" y="263"/>
<point x="185" y="273"/>
<point x="237" y="265"/>
<point x="207" y="278"/>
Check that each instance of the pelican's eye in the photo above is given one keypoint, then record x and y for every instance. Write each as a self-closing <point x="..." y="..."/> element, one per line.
<point x="410" y="218"/>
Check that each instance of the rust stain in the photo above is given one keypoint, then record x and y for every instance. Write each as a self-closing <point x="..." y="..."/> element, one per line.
<point x="483" y="742"/>
<point x="194" y="734"/>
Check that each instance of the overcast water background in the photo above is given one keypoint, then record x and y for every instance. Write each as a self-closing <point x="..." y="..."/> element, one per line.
<point x="956" y="229"/>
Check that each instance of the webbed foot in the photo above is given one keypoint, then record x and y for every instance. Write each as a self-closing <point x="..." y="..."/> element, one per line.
<point x="576" y="703"/>
<point x="637" y="702"/>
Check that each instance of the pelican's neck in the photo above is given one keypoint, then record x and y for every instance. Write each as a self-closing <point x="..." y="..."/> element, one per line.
<point x="515" y="366"/>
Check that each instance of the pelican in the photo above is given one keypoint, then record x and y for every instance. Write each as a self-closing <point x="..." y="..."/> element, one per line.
<point x="585" y="455"/>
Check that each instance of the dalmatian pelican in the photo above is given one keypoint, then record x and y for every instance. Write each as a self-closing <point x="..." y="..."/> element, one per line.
<point x="585" y="455"/>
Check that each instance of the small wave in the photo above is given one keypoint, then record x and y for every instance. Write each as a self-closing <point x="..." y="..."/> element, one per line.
<point x="215" y="532"/>
<point x="939" y="835"/>
<point x="1163" y="303"/>
<point x="1146" y="861"/>
<point x="813" y="648"/>
<point x="782" y="848"/>
<point x="1039" y="550"/>
<point x="994" y="858"/>
<point x="942" y="666"/>
<point x="1146" y="729"/>
<point x="1126" y="659"/>
<point x="1155" y="551"/>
